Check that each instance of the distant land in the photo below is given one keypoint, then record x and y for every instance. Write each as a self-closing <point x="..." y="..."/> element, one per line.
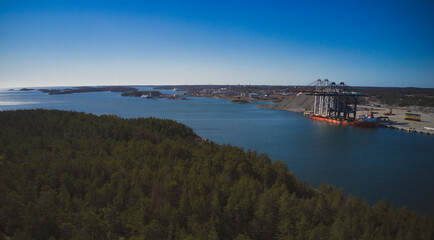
<point x="395" y="102"/>
<point x="150" y="94"/>
<point x="389" y="96"/>
<point x="86" y="89"/>
<point x="27" y="89"/>
<point x="392" y="96"/>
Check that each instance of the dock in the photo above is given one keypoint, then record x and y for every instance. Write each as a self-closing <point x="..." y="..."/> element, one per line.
<point x="397" y="119"/>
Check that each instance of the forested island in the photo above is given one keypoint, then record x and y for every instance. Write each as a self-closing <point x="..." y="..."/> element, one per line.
<point x="58" y="91"/>
<point x="240" y="101"/>
<point x="70" y="175"/>
<point x="148" y="94"/>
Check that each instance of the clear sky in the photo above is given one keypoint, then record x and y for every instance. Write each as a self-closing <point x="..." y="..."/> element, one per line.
<point x="70" y="43"/>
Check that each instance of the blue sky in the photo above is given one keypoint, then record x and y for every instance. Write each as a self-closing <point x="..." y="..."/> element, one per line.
<point x="70" y="43"/>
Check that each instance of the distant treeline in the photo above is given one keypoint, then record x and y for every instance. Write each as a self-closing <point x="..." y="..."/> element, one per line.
<point x="240" y="101"/>
<point x="150" y="94"/>
<point x="69" y="175"/>
<point x="401" y="97"/>
<point x="392" y="96"/>
<point x="51" y="91"/>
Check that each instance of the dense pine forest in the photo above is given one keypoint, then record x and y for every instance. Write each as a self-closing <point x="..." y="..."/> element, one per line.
<point x="70" y="175"/>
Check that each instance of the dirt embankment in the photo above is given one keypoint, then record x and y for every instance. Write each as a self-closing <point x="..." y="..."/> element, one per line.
<point x="300" y="103"/>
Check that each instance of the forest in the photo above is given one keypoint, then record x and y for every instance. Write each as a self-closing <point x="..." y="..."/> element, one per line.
<point x="71" y="175"/>
<point x="153" y="94"/>
<point x="399" y="97"/>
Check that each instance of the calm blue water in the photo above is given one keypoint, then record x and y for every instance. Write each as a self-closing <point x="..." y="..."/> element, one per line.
<point x="370" y="163"/>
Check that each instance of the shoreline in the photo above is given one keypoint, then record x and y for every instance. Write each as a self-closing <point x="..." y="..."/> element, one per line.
<point x="396" y="120"/>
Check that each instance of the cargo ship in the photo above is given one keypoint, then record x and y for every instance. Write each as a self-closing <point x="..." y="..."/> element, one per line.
<point x="366" y="121"/>
<point x="363" y="120"/>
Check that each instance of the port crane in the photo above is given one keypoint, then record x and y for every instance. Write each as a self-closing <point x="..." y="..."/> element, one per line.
<point x="337" y="101"/>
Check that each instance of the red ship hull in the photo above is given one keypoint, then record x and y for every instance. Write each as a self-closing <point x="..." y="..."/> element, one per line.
<point x="356" y="123"/>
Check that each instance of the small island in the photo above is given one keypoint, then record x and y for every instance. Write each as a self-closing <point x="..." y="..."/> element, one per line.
<point x="153" y="94"/>
<point x="240" y="101"/>
<point x="144" y="94"/>
<point x="26" y="89"/>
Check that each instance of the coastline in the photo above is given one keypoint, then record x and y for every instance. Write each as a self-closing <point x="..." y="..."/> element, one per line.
<point x="396" y="120"/>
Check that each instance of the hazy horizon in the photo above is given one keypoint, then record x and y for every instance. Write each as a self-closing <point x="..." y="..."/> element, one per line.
<point x="175" y="85"/>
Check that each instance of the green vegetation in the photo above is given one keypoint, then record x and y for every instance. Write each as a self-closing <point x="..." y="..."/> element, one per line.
<point x="150" y="94"/>
<point x="406" y="101"/>
<point x="240" y="101"/>
<point x="52" y="91"/>
<point x="400" y="97"/>
<point x="69" y="175"/>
